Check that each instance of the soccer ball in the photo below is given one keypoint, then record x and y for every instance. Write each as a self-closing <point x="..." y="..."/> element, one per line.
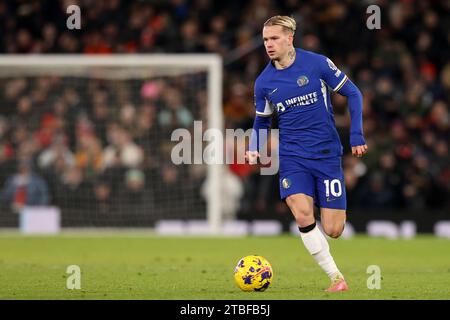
<point x="253" y="273"/>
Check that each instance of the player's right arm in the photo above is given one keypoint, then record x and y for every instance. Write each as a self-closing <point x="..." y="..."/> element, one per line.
<point x="261" y="124"/>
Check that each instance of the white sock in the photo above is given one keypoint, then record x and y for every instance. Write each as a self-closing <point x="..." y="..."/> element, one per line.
<point x="317" y="245"/>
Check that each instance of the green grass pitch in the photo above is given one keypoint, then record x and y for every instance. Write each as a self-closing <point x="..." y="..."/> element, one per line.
<point x="127" y="266"/>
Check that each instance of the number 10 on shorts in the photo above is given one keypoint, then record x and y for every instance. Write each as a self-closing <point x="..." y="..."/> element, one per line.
<point x="334" y="187"/>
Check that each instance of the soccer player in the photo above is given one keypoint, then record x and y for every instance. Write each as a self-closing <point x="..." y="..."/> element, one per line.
<point x="296" y="84"/>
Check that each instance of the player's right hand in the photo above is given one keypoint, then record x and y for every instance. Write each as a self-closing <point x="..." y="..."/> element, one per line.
<point x="251" y="157"/>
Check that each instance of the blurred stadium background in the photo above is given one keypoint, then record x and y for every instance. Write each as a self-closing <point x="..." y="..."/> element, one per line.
<point x="96" y="144"/>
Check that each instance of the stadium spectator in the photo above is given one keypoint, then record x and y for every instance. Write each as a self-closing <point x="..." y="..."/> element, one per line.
<point x="72" y="194"/>
<point x="25" y="188"/>
<point x="146" y="129"/>
<point x="121" y="143"/>
<point x="103" y="206"/>
<point x="89" y="155"/>
<point x="57" y="150"/>
<point x="171" y="188"/>
<point x="173" y="113"/>
<point x="136" y="201"/>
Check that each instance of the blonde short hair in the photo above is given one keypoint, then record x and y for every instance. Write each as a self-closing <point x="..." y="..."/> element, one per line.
<point x="286" y="22"/>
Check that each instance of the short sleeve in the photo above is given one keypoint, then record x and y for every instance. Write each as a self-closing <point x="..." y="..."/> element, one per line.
<point x="263" y="107"/>
<point x="333" y="77"/>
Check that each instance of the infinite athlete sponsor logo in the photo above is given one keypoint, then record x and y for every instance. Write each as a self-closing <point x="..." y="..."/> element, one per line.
<point x="304" y="100"/>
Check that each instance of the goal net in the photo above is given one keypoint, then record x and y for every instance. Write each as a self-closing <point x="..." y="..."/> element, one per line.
<point x="92" y="136"/>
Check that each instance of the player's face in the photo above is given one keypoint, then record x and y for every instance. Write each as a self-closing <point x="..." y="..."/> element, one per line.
<point x="276" y="41"/>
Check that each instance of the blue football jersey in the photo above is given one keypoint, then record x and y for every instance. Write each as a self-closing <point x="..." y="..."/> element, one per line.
<point x="300" y="94"/>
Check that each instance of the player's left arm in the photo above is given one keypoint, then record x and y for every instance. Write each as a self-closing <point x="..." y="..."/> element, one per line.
<point x="354" y="97"/>
<point x="339" y="82"/>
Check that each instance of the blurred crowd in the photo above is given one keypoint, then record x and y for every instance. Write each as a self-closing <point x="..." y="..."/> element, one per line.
<point x="99" y="149"/>
<point x="403" y="71"/>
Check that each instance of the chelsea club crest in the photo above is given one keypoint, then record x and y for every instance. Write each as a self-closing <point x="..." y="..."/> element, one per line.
<point x="302" y="81"/>
<point x="286" y="183"/>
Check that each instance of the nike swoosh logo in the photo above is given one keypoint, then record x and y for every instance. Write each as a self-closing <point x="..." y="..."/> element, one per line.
<point x="273" y="91"/>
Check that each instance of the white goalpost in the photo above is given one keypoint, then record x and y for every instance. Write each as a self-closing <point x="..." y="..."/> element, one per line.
<point x="76" y="90"/>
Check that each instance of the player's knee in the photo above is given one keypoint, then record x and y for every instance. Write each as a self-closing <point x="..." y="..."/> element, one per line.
<point x="302" y="213"/>
<point x="333" y="231"/>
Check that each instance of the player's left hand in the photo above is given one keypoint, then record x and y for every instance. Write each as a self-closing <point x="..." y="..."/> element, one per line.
<point x="358" y="151"/>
